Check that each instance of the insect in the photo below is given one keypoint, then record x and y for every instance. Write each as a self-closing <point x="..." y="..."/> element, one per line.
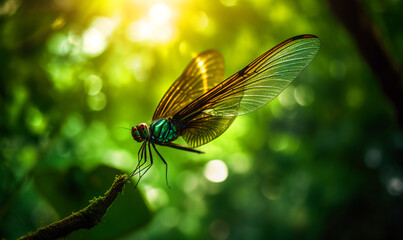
<point x="200" y="105"/>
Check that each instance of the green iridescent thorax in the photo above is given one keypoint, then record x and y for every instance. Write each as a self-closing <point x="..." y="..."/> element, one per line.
<point x="163" y="131"/>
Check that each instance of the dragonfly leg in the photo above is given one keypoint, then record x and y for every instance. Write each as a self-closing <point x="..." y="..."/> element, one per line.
<point x="140" y="157"/>
<point x="141" y="162"/>
<point x="166" y="164"/>
<point x="146" y="168"/>
<point x="180" y="147"/>
<point x="143" y="156"/>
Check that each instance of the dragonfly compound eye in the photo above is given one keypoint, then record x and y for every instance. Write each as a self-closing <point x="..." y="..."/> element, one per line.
<point x="136" y="135"/>
<point x="140" y="133"/>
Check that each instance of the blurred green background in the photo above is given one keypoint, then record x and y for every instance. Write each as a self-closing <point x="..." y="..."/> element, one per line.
<point x="322" y="161"/>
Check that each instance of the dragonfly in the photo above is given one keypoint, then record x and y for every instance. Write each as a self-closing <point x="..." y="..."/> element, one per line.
<point x="200" y="105"/>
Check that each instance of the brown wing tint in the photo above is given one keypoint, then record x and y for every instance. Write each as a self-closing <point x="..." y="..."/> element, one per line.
<point x="203" y="72"/>
<point x="204" y="128"/>
<point x="247" y="90"/>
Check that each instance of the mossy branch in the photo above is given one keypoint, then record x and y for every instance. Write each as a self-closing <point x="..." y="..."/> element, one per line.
<point x="83" y="219"/>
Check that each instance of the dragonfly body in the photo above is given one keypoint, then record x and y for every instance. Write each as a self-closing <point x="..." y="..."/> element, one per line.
<point x="200" y="105"/>
<point x="159" y="132"/>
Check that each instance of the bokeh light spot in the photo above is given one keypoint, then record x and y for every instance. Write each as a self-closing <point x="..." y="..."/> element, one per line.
<point x="216" y="171"/>
<point x="188" y="181"/>
<point x="201" y="22"/>
<point x="141" y="66"/>
<point x="156" y="27"/>
<point x="229" y="3"/>
<point x="94" y="39"/>
<point x="139" y="31"/>
<point x="284" y="142"/>
<point x="171" y="213"/>
<point x="105" y="25"/>
<point x="35" y="120"/>
<point x="58" y="44"/>
<point x="28" y="157"/>
<point x="279" y="144"/>
<point x="286" y="98"/>
<point x="395" y="186"/>
<point x="9" y="7"/>
<point x="373" y="158"/>
<point x="97" y="102"/>
<point x="280" y="12"/>
<point x="240" y="163"/>
<point x="94" y="42"/>
<point x="119" y="159"/>
<point x="59" y="23"/>
<point x="270" y="189"/>
<point x="156" y="196"/>
<point x="73" y="38"/>
<point x="159" y="13"/>
<point x="304" y="95"/>
<point x="73" y="125"/>
<point x="219" y="230"/>
<point x="62" y="76"/>
<point x="93" y="84"/>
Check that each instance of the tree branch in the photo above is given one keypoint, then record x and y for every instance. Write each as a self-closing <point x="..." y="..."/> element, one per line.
<point x="355" y="19"/>
<point x="85" y="218"/>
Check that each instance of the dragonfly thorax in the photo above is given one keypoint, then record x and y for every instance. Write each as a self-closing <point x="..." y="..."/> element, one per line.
<point x="140" y="132"/>
<point x="163" y="131"/>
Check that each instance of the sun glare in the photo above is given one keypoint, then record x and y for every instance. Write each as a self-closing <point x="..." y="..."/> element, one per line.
<point x="156" y="26"/>
<point x="159" y="13"/>
<point x="93" y="42"/>
<point x="95" y="37"/>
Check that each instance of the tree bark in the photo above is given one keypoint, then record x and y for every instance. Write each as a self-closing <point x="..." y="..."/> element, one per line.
<point x="354" y="17"/>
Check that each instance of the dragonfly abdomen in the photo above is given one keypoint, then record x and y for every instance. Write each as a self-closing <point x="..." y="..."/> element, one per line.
<point x="163" y="131"/>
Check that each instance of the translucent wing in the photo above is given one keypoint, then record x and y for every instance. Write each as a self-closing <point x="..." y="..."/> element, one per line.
<point x="203" y="72"/>
<point x="251" y="88"/>
<point x="204" y="128"/>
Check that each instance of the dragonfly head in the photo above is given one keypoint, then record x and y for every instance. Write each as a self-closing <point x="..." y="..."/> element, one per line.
<point x="140" y="132"/>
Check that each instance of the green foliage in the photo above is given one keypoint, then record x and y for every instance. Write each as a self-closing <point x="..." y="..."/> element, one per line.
<point x="321" y="161"/>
